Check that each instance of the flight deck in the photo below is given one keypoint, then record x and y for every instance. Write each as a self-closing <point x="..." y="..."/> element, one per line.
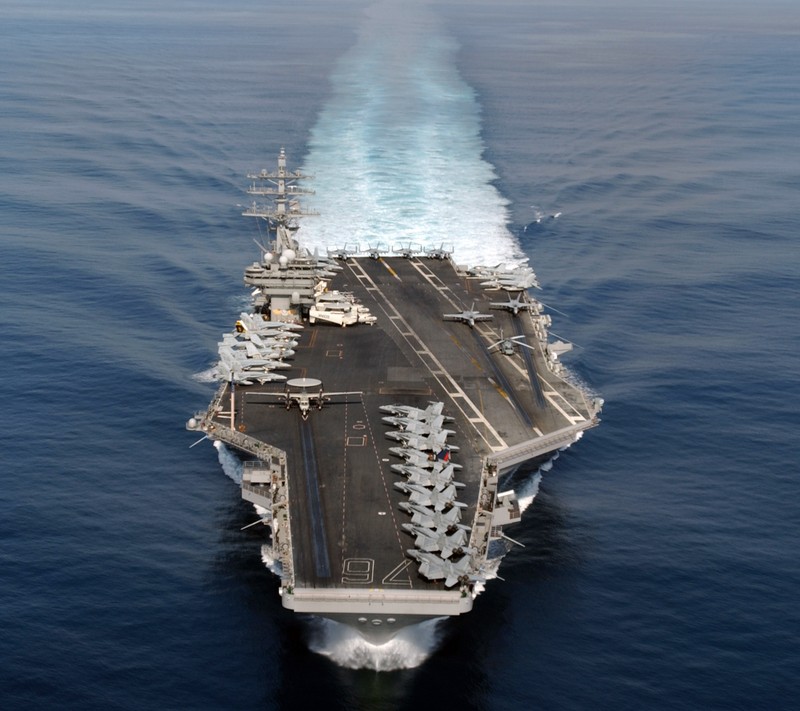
<point x="376" y="398"/>
<point x="344" y="508"/>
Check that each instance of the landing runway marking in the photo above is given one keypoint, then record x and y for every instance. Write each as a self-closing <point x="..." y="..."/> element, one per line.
<point x="391" y="578"/>
<point x="358" y="570"/>
<point x="389" y="309"/>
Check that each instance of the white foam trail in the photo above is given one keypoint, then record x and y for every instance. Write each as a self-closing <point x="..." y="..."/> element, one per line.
<point x="527" y="489"/>
<point x="526" y="493"/>
<point x="488" y="572"/>
<point x="231" y="464"/>
<point x="343" y="645"/>
<point x="397" y="150"/>
<point x="270" y="560"/>
<point x="206" y="376"/>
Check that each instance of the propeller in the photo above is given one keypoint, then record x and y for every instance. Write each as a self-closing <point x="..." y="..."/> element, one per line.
<point x="509" y="343"/>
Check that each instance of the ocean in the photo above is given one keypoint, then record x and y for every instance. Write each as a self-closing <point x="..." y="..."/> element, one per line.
<point x="661" y="566"/>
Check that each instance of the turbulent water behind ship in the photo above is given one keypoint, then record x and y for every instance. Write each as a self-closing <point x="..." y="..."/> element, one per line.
<point x="660" y="567"/>
<point x="405" y="127"/>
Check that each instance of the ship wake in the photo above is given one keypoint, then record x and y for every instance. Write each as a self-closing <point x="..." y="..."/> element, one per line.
<point x="405" y="126"/>
<point x="346" y="647"/>
<point x="230" y="463"/>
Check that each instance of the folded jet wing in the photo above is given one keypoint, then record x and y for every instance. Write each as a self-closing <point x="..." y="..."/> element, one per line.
<point x="433" y="567"/>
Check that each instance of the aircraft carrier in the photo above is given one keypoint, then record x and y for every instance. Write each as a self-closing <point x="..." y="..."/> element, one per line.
<point x="378" y="397"/>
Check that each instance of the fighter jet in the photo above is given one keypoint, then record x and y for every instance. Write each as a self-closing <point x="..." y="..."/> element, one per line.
<point x="424" y="516"/>
<point x="342" y="253"/>
<point x="499" y="269"/>
<point x="434" y="409"/>
<point x="256" y="348"/>
<point x="375" y="251"/>
<point x="281" y="339"/>
<point x="247" y="362"/>
<point x="431" y="423"/>
<point x="424" y="457"/>
<point x="517" y="280"/>
<point x="446" y="541"/>
<point x="416" y="458"/>
<point x="556" y="348"/>
<point x="422" y="443"/>
<point x="231" y="370"/>
<point x="514" y="305"/>
<point x="423" y="460"/>
<point x="259" y="324"/>
<point x="325" y="263"/>
<point x="438" y="500"/>
<point x="436" y="478"/>
<point x="470" y="316"/>
<point x="409" y="250"/>
<point x="433" y="567"/>
<point x="439" y="252"/>
<point x="419" y="427"/>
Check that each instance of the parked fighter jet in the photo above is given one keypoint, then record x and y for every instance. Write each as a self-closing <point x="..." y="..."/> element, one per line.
<point x="434" y="409"/>
<point x="440" y="252"/>
<point x="516" y="280"/>
<point x="255" y="348"/>
<point x="434" y="442"/>
<point x="282" y="339"/>
<point x="433" y="567"/>
<point x="514" y="305"/>
<point x="424" y="516"/>
<point x="556" y="348"/>
<point x="259" y="324"/>
<point x="326" y="263"/>
<point x="342" y="253"/>
<point x="446" y="541"/>
<point x="436" y="478"/>
<point x="481" y="270"/>
<point x="409" y="250"/>
<point x="375" y="251"/>
<point x="419" y="427"/>
<point x="470" y="316"/>
<point x="438" y="500"/>
<point x="231" y="370"/>
<point x="422" y="424"/>
<point x="247" y="362"/>
<point x="423" y="460"/>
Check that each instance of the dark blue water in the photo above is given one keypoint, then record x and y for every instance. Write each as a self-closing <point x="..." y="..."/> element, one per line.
<point x="661" y="569"/>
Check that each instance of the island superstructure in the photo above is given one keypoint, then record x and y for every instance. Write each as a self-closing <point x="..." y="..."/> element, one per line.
<point x="378" y="397"/>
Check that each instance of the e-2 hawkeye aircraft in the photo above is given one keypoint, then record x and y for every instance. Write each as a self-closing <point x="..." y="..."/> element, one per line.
<point x="306" y="393"/>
